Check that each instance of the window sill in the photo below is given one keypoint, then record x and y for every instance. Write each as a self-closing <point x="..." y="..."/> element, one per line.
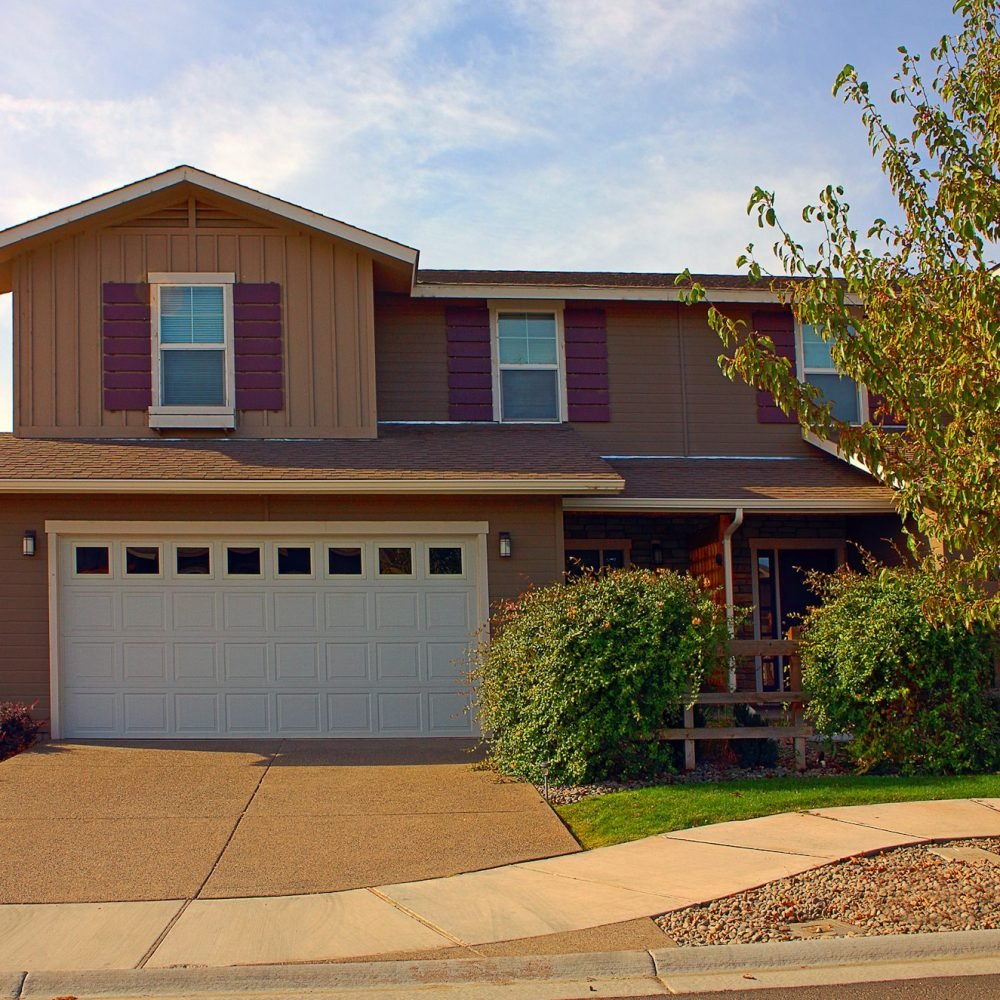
<point x="169" y="418"/>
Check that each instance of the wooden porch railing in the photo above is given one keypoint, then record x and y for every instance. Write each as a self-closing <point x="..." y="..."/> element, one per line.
<point x="795" y="698"/>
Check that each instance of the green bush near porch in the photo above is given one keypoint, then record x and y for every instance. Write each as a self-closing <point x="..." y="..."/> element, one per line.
<point x="580" y="676"/>
<point x="912" y="692"/>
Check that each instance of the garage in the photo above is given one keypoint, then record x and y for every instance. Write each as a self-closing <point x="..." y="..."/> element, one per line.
<point x="284" y="630"/>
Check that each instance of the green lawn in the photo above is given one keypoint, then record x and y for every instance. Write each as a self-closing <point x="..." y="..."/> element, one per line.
<point x="622" y="816"/>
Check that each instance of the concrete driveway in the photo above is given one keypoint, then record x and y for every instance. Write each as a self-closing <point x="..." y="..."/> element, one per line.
<point x="185" y="820"/>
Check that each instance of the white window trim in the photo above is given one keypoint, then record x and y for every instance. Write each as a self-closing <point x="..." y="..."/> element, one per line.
<point x="194" y="416"/>
<point x="498" y="306"/>
<point x="802" y="373"/>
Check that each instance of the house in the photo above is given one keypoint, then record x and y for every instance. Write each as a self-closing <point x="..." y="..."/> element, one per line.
<point x="266" y="475"/>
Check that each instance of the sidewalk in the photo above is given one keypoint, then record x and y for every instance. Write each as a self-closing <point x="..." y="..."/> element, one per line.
<point x="561" y="894"/>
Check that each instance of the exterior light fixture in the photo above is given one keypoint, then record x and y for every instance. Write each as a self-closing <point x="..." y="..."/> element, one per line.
<point x="656" y="550"/>
<point x="505" y="545"/>
<point x="28" y="543"/>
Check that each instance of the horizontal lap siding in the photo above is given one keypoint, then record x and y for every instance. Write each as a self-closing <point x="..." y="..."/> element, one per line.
<point x="328" y="378"/>
<point x="533" y="522"/>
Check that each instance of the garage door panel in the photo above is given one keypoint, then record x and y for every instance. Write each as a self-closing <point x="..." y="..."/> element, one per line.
<point x="143" y="612"/>
<point x="196" y="661"/>
<point x="219" y="653"/>
<point x="296" y="661"/>
<point x="246" y="661"/>
<point x="348" y="662"/>
<point x="347" y="613"/>
<point x="195" y="612"/>
<point x="247" y="714"/>
<point x="197" y="713"/>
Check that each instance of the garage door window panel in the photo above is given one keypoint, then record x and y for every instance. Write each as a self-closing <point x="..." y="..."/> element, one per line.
<point x="142" y="560"/>
<point x="193" y="560"/>
<point x="395" y="560"/>
<point x="91" y="560"/>
<point x="294" y="560"/>
<point x="344" y="560"/>
<point x="243" y="560"/>
<point x="445" y="560"/>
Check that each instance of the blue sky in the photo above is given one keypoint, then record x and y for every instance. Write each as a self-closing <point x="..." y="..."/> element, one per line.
<point x="565" y="134"/>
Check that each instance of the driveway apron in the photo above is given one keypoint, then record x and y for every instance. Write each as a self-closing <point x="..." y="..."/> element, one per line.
<point x="184" y="820"/>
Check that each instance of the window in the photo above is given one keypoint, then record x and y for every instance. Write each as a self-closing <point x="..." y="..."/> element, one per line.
<point x="142" y="560"/>
<point x="395" y="561"/>
<point x="194" y="560"/>
<point x="528" y="349"/>
<point x="818" y="370"/>
<point x="243" y="560"/>
<point x="590" y="555"/>
<point x="344" y="561"/>
<point x="444" y="560"/>
<point x="193" y="371"/>
<point x="294" y="560"/>
<point x="92" y="560"/>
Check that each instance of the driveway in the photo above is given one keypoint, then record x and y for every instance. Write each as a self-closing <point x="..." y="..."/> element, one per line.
<point x="140" y="821"/>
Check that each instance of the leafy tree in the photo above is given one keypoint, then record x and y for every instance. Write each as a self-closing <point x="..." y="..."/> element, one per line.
<point x="912" y="308"/>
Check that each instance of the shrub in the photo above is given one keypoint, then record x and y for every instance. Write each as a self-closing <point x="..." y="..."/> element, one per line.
<point x="18" y="730"/>
<point x="753" y="753"/>
<point x="582" y="675"/>
<point x="912" y="692"/>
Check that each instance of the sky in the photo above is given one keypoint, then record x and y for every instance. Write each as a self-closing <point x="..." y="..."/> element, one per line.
<point x="617" y="135"/>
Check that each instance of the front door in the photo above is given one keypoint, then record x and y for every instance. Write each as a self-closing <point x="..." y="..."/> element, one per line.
<point x="783" y="597"/>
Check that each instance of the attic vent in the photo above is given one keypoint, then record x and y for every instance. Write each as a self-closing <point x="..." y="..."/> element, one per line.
<point x="213" y="217"/>
<point x="206" y="217"/>
<point x="175" y="217"/>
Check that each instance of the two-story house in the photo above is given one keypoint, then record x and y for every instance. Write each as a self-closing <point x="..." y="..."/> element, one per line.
<point x="266" y="475"/>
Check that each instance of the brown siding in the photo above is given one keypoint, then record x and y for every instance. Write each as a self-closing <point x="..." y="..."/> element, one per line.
<point x="411" y="359"/>
<point x="533" y="522"/>
<point x="329" y="324"/>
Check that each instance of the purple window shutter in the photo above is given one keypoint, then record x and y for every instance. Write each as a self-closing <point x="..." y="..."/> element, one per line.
<point x="257" y="332"/>
<point x="470" y="363"/>
<point x="586" y="334"/>
<point x="780" y="327"/>
<point x="127" y="346"/>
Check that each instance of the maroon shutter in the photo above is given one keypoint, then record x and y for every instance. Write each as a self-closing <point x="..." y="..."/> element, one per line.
<point x="586" y="333"/>
<point x="127" y="346"/>
<point x="257" y="332"/>
<point x="780" y="327"/>
<point x="470" y="368"/>
<point x="879" y="412"/>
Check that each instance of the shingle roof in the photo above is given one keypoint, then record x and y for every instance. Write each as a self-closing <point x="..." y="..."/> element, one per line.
<point x="495" y="457"/>
<point x="589" y="279"/>
<point x="807" y="483"/>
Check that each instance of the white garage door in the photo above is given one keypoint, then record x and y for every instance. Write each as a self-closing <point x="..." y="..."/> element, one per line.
<point x="250" y="636"/>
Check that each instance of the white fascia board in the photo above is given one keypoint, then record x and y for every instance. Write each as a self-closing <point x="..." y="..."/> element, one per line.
<point x="271" y="528"/>
<point x="830" y="448"/>
<point x="653" y="505"/>
<point x="228" y="189"/>
<point x="367" y="487"/>
<point x="606" y="293"/>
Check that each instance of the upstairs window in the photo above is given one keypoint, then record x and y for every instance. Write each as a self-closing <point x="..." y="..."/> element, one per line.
<point x="818" y="370"/>
<point x="193" y="377"/>
<point x="528" y="365"/>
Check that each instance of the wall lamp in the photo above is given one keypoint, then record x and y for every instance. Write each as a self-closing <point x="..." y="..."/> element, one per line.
<point x="28" y="543"/>
<point x="506" y="549"/>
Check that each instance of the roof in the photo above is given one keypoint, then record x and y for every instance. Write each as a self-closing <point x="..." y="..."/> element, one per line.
<point x="818" y="484"/>
<point x="463" y="458"/>
<point x="601" y="285"/>
<point x="210" y="182"/>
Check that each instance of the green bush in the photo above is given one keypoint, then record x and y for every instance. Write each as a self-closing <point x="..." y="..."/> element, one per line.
<point x="911" y="692"/>
<point x="581" y="675"/>
<point x="753" y="753"/>
<point x="18" y="730"/>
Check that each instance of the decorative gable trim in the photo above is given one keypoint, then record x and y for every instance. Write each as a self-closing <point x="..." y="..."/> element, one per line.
<point x="258" y="341"/>
<point x="780" y="327"/>
<point x="127" y="346"/>
<point x="586" y="337"/>
<point x="470" y="371"/>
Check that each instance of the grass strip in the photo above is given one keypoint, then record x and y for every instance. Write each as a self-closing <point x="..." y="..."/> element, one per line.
<point x="622" y="816"/>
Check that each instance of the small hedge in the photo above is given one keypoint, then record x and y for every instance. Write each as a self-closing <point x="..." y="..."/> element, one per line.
<point x="18" y="730"/>
<point x="581" y="675"/>
<point x="911" y="692"/>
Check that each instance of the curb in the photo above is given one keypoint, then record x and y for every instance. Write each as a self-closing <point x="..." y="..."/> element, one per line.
<point x="677" y="969"/>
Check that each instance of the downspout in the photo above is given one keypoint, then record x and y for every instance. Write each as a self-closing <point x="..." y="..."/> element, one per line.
<point x="727" y="572"/>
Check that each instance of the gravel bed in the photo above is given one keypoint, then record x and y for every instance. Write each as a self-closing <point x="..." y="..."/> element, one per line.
<point x="906" y="890"/>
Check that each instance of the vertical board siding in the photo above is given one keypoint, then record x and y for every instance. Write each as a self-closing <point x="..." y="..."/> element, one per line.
<point x="257" y="337"/>
<point x="127" y="337"/>
<point x="780" y="327"/>
<point x="469" y="357"/>
<point x="587" y="389"/>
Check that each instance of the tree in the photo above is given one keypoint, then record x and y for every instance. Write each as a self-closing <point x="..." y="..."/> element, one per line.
<point x="912" y="309"/>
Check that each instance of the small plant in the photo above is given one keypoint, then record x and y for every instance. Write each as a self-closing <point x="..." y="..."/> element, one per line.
<point x="18" y="730"/>
<point x="913" y="692"/>
<point x="582" y="675"/>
